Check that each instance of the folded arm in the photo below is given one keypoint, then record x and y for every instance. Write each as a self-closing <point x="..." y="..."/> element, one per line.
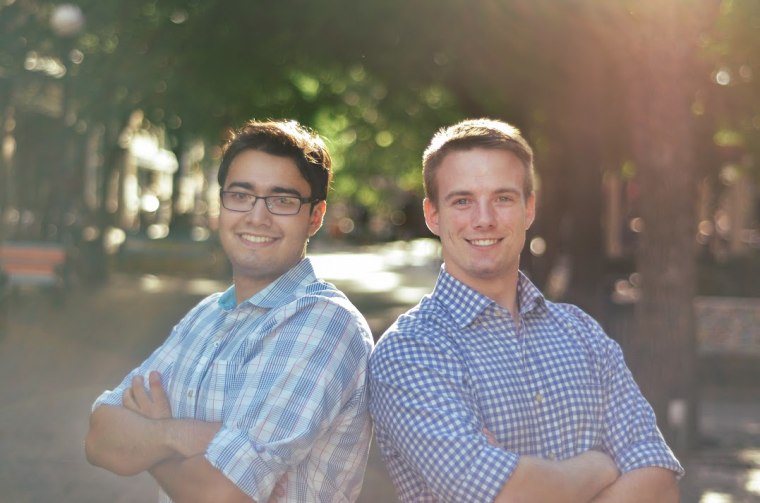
<point x="130" y="439"/>
<point x="170" y="449"/>
<point x="578" y="479"/>
<point x="194" y="479"/>
<point x="643" y="485"/>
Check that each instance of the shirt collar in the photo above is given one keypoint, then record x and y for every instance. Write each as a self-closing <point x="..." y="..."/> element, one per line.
<point x="466" y="304"/>
<point x="290" y="285"/>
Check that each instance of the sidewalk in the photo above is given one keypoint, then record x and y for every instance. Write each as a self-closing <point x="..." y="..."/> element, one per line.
<point x="54" y="360"/>
<point x="727" y="467"/>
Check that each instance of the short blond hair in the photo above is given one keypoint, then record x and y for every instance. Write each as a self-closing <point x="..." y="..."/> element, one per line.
<point x="475" y="133"/>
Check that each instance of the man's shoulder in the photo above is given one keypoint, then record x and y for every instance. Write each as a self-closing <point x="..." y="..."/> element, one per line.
<point x="322" y="293"/>
<point x="573" y="321"/>
<point x="426" y="324"/>
<point x="566" y="313"/>
<point x="323" y="299"/>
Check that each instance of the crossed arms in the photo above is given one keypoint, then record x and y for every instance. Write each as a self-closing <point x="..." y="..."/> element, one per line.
<point x="142" y="436"/>
<point x="429" y="424"/>
<point x="589" y="477"/>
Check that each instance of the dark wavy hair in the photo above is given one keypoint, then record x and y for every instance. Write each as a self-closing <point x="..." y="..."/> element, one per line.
<point x="284" y="139"/>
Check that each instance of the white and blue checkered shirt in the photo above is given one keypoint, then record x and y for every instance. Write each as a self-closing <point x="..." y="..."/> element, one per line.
<point x="285" y="373"/>
<point x="456" y="364"/>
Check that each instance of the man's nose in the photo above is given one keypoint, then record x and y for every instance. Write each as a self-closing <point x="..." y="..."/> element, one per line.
<point x="259" y="211"/>
<point x="483" y="214"/>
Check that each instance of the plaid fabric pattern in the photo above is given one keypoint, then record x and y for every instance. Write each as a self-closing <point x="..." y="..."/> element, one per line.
<point x="285" y="373"/>
<point x="554" y="387"/>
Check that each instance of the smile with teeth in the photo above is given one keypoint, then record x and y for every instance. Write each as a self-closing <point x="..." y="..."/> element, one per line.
<point x="483" y="242"/>
<point x="256" y="239"/>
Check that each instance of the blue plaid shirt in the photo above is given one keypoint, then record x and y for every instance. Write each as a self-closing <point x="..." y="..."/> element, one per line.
<point x="285" y="373"/>
<point x="554" y="388"/>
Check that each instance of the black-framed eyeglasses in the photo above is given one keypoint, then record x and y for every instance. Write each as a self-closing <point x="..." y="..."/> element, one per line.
<point x="277" y="205"/>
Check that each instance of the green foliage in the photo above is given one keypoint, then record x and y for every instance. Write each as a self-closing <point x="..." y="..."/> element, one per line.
<point x="375" y="78"/>
<point x="732" y="49"/>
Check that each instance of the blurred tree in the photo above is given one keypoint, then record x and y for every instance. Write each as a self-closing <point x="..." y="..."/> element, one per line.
<point x="660" y="47"/>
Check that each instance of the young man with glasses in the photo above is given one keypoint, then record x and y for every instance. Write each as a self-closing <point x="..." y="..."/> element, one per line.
<point x="259" y="392"/>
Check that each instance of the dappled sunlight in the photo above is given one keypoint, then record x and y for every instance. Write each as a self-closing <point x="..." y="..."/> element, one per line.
<point x="388" y="269"/>
<point x="714" y="497"/>
<point x="403" y="271"/>
<point x="151" y="283"/>
<point x="753" y="482"/>
<point x="750" y="456"/>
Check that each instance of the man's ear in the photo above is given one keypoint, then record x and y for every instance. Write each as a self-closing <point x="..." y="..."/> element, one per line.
<point x="431" y="215"/>
<point x="316" y="217"/>
<point x="530" y="210"/>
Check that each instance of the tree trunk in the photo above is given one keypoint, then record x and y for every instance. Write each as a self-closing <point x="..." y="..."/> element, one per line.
<point x="662" y="46"/>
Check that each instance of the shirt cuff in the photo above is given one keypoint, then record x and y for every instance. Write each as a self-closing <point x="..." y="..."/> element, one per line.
<point x="649" y="454"/>
<point x="108" y="397"/>
<point x="486" y="475"/>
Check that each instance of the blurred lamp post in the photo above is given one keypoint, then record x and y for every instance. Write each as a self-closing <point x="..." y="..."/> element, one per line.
<point x="66" y="22"/>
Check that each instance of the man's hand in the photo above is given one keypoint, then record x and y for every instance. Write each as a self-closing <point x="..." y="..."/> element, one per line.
<point x="490" y="437"/>
<point x="188" y="438"/>
<point x="279" y="490"/>
<point x="152" y="406"/>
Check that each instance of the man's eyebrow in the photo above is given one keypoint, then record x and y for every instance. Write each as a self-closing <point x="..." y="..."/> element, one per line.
<point x="457" y="193"/>
<point x="274" y="190"/>
<point x="508" y="190"/>
<point x="240" y="185"/>
<point x="285" y="190"/>
<point x="468" y="193"/>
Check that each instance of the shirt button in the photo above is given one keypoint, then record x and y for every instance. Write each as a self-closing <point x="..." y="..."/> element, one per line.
<point x="552" y="456"/>
<point x="190" y="394"/>
<point x="539" y="397"/>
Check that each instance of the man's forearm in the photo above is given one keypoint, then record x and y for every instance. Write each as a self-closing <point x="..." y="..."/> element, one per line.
<point x="577" y="479"/>
<point x="645" y="485"/>
<point x="194" y="479"/>
<point x="127" y="443"/>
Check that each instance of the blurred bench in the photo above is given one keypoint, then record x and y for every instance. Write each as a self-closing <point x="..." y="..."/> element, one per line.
<point x="28" y="263"/>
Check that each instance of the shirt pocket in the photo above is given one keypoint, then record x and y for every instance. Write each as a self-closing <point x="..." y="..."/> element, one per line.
<point x="579" y="414"/>
<point x="215" y="390"/>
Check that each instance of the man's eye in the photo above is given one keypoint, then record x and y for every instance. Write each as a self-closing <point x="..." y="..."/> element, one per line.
<point x="240" y="196"/>
<point x="461" y="202"/>
<point x="505" y="199"/>
<point x="285" y="201"/>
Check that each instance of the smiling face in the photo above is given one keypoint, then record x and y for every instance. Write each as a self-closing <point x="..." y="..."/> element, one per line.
<point x="481" y="217"/>
<point x="261" y="246"/>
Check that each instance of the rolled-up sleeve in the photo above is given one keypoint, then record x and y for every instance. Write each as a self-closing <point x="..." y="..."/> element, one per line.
<point x="631" y="434"/>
